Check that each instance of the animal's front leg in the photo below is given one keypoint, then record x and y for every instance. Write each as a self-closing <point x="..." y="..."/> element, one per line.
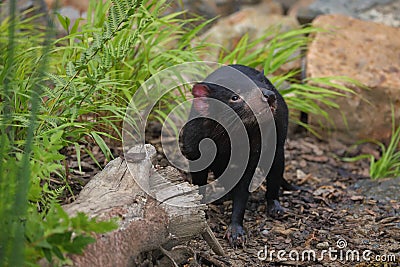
<point x="235" y="233"/>
<point x="274" y="182"/>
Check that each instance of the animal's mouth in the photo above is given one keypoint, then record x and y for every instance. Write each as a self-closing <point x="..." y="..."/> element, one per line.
<point x="273" y="107"/>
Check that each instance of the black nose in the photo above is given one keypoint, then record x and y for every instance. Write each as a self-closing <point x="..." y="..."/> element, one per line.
<point x="269" y="96"/>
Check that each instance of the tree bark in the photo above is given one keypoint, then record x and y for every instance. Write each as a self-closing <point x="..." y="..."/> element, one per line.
<point x="145" y="224"/>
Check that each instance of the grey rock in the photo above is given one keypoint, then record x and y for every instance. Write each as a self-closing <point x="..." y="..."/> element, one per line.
<point x="302" y="11"/>
<point x="247" y="2"/>
<point x="387" y="14"/>
<point x="345" y="7"/>
<point x="25" y="5"/>
<point x="381" y="189"/>
<point x="286" y="4"/>
<point x="323" y="245"/>
<point x="382" y="11"/>
<point x="210" y="8"/>
<point x="265" y="232"/>
<point x="72" y="13"/>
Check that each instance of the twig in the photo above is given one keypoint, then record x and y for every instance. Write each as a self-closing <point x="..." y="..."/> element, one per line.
<point x="212" y="241"/>
<point x="169" y="256"/>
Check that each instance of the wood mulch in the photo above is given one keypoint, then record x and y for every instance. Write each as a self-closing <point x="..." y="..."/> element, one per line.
<point x="340" y="215"/>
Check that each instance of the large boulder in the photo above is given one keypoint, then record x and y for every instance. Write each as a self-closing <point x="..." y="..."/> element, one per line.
<point x="370" y="53"/>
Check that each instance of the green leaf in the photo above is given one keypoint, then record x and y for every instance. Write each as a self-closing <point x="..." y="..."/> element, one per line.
<point x="60" y="238"/>
<point x="47" y="254"/>
<point x="43" y="244"/>
<point x="74" y="28"/>
<point x="78" y="155"/>
<point x="78" y="244"/>
<point x="56" y="137"/>
<point x="101" y="227"/>
<point x="101" y="143"/>
<point x="64" y="21"/>
<point x="70" y="69"/>
<point x="58" y="253"/>
<point x="33" y="228"/>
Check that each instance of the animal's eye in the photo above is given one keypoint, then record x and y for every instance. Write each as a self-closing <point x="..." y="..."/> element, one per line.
<point x="235" y="98"/>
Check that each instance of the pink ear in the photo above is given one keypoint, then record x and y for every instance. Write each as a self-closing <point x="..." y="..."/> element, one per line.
<point x="200" y="92"/>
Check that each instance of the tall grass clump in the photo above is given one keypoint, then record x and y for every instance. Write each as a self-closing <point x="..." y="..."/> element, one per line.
<point x="72" y="91"/>
<point x="105" y="63"/>
<point x="388" y="164"/>
<point x="33" y="224"/>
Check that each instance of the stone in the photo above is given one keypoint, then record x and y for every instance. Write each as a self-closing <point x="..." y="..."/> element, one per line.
<point x="265" y="6"/>
<point x="388" y="14"/>
<point x="287" y="4"/>
<point x="208" y="9"/>
<point x="79" y="5"/>
<point x="72" y="13"/>
<point x="322" y="245"/>
<point x="365" y="51"/>
<point x="301" y="10"/>
<point x="344" y="7"/>
<point x="253" y="21"/>
<point x="380" y="189"/>
<point x="383" y="11"/>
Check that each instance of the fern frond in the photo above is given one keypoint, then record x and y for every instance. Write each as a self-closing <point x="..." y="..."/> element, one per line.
<point x="58" y="80"/>
<point x="70" y="69"/>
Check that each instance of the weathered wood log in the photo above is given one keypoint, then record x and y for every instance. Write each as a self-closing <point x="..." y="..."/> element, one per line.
<point x="145" y="224"/>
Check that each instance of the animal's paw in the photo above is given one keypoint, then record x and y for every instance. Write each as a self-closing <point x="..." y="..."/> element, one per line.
<point x="275" y="209"/>
<point x="236" y="235"/>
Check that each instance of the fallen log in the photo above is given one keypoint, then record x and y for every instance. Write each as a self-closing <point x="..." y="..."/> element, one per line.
<point x="145" y="224"/>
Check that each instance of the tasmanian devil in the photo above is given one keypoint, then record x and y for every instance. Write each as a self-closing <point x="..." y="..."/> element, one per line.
<point x="257" y="106"/>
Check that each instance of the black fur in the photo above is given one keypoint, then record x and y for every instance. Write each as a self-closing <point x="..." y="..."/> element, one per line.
<point x="200" y="128"/>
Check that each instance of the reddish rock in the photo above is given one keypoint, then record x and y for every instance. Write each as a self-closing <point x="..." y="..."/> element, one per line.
<point x="264" y="6"/>
<point x="370" y="53"/>
<point x="253" y="21"/>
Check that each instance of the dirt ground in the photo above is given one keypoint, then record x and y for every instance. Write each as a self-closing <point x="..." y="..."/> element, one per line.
<point x="340" y="211"/>
<point x="340" y="218"/>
